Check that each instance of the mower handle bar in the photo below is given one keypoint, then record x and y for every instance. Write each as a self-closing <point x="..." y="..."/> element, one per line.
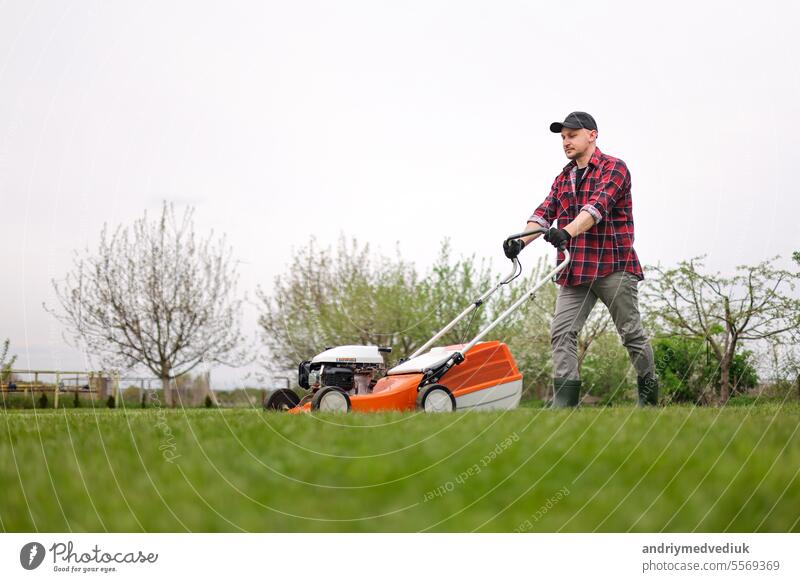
<point x="538" y="230"/>
<point x="517" y="269"/>
<point x="528" y="295"/>
<point x="470" y="308"/>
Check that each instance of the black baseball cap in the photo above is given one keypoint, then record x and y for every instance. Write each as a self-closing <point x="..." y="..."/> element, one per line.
<point x="575" y="120"/>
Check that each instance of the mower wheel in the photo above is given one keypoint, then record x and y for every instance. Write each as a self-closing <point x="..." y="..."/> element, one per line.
<point x="282" y="399"/>
<point x="330" y="399"/>
<point x="436" y="398"/>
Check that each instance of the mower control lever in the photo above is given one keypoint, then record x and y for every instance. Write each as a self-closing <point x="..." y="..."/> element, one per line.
<point x="435" y="374"/>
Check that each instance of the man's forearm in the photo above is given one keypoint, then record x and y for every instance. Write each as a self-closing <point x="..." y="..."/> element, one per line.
<point x="583" y="222"/>
<point x="530" y="226"/>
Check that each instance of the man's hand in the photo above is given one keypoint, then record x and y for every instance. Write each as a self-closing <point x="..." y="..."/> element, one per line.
<point x="513" y="247"/>
<point x="557" y="237"/>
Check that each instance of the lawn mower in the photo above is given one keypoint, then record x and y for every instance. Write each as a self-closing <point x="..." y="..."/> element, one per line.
<point x="476" y="375"/>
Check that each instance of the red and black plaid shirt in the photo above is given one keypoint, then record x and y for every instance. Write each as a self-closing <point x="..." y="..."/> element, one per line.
<point x="605" y="193"/>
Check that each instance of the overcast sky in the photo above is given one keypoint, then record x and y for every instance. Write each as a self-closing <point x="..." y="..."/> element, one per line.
<point x="394" y="122"/>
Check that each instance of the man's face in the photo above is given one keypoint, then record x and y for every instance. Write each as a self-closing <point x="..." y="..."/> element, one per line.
<point x="577" y="141"/>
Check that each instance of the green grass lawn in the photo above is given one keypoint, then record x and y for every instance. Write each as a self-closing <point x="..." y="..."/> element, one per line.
<point x="612" y="469"/>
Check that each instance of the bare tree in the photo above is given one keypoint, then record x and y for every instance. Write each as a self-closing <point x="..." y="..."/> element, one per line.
<point x="754" y="304"/>
<point x="6" y="364"/>
<point x="155" y="295"/>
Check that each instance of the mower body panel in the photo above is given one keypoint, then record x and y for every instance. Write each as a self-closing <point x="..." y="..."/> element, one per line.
<point x="505" y="396"/>
<point x="424" y="362"/>
<point x="349" y="355"/>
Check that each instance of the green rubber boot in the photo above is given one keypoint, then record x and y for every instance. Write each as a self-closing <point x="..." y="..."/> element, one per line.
<point x="648" y="390"/>
<point x="566" y="392"/>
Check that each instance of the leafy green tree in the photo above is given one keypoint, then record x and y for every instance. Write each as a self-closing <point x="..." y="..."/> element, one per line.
<point x="355" y="296"/>
<point x="756" y="303"/>
<point x="688" y="371"/>
<point x="783" y="364"/>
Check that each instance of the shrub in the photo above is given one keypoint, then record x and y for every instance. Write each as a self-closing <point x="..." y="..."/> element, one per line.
<point x="606" y="371"/>
<point x="687" y="370"/>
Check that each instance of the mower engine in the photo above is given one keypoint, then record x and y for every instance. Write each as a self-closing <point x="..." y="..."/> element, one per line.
<point x="351" y="369"/>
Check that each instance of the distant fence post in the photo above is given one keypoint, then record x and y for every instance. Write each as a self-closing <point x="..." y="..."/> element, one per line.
<point x="210" y="390"/>
<point x="115" y="387"/>
<point x="101" y="382"/>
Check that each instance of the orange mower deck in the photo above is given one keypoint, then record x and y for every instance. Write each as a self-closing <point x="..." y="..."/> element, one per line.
<point x="487" y="368"/>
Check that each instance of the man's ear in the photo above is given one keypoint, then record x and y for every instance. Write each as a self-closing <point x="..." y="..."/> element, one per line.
<point x="593" y="135"/>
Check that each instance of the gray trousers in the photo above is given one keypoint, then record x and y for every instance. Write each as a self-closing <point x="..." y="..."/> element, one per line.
<point x="619" y="292"/>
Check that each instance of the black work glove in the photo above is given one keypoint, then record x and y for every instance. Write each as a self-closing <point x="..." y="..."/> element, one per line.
<point x="557" y="237"/>
<point x="513" y="247"/>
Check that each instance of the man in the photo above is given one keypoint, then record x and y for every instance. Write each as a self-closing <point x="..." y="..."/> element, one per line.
<point x="591" y="200"/>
